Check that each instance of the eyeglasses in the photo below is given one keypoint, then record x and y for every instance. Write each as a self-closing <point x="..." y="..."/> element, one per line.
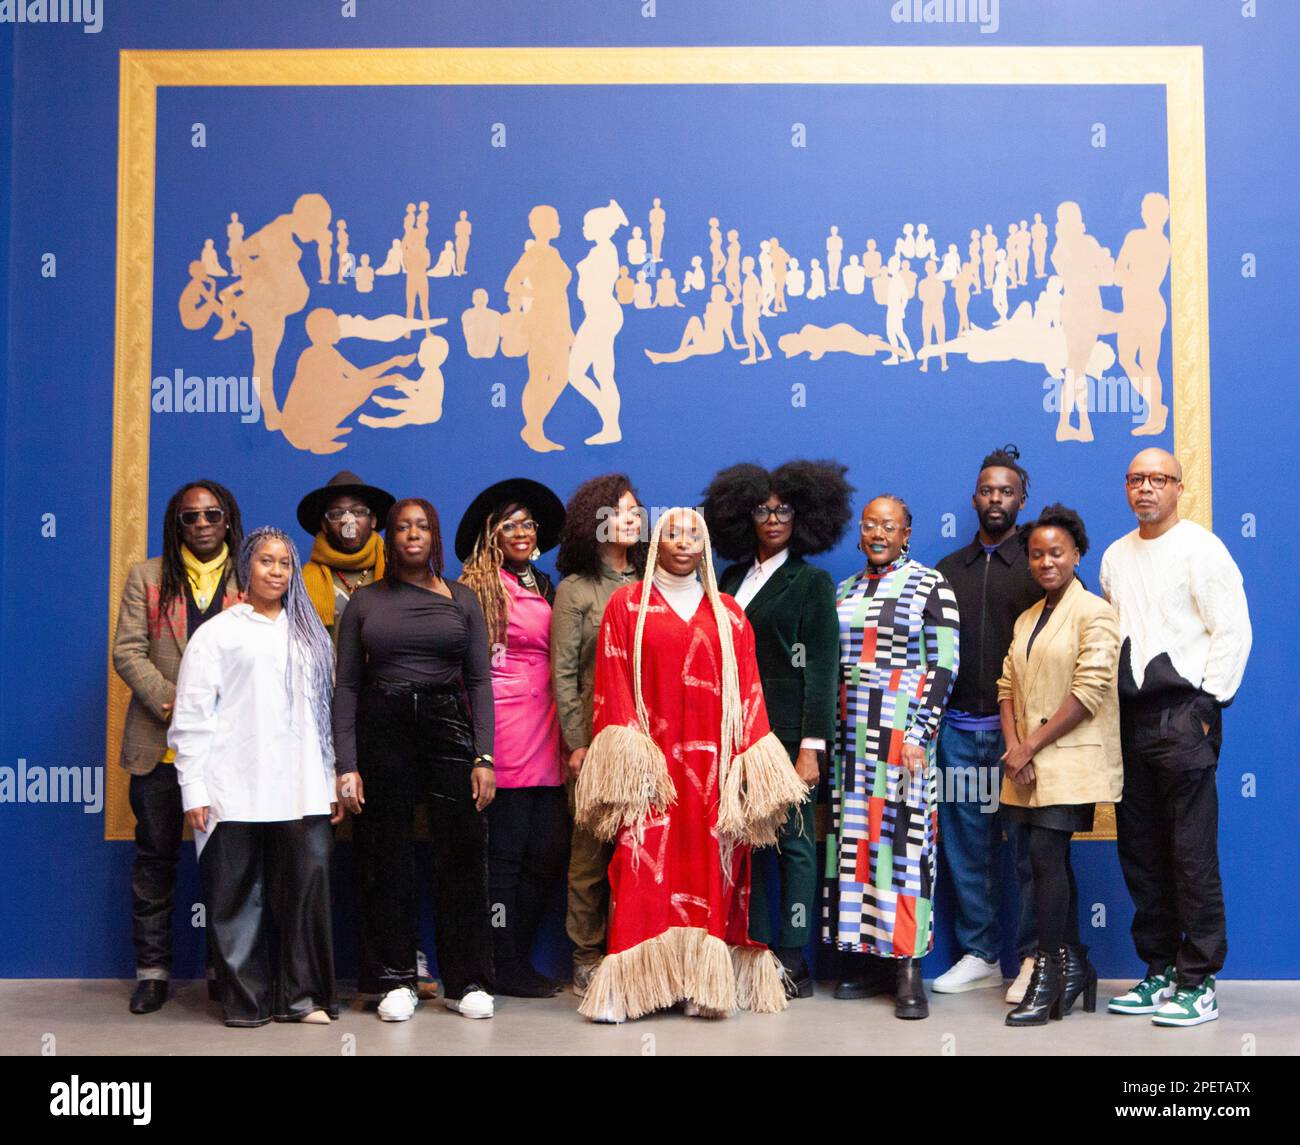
<point x="334" y="516"/>
<point x="510" y="528"/>
<point x="191" y="516"/>
<point x="783" y="513"/>
<point x="886" y="527"/>
<point x="1158" y="480"/>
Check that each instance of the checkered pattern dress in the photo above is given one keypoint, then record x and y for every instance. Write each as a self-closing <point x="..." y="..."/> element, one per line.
<point x="898" y="659"/>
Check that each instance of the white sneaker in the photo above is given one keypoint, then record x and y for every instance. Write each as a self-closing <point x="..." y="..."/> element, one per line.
<point x="475" y="1004"/>
<point x="970" y="972"/>
<point x="1016" y="991"/>
<point x="397" y="1005"/>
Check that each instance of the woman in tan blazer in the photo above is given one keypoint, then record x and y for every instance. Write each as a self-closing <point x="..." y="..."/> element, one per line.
<point x="1059" y="705"/>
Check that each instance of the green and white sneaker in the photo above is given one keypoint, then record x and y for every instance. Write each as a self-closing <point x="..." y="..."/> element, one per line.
<point x="1189" y="1007"/>
<point x="1147" y="996"/>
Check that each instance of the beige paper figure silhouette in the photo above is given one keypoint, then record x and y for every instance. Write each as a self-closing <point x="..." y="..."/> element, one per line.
<point x="364" y="276"/>
<point x="931" y="291"/>
<point x="1084" y="267"/>
<point x="1038" y="238"/>
<point x="385" y="328"/>
<point x="897" y="293"/>
<point x="717" y="259"/>
<point x="905" y="245"/>
<point x="834" y="256"/>
<point x="445" y="267"/>
<point x="636" y="248"/>
<point x="272" y="287"/>
<point x="657" y="218"/>
<point x="666" y="289"/>
<point x="817" y="341"/>
<point x="974" y="250"/>
<point x="542" y="276"/>
<point x="514" y="328"/>
<point x="198" y="301"/>
<point x="393" y="260"/>
<point x="593" y="344"/>
<point x="707" y="336"/>
<point x="415" y="262"/>
<point x="1001" y="278"/>
<point x="780" y="268"/>
<point x="347" y="264"/>
<point x="234" y="240"/>
<point x="209" y="259"/>
<point x="421" y="400"/>
<point x="766" y="277"/>
<point x="816" y="281"/>
<point x="909" y="276"/>
<point x="643" y="294"/>
<point x="733" y="266"/>
<point x="1139" y="272"/>
<point x="854" y="277"/>
<point x="693" y="279"/>
<point x="951" y="266"/>
<point x="327" y="388"/>
<point x="625" y="287"/>
<point x="1010" y="247"/>
<point x="794" y="280"/>
<point x="751" y="300"/>
<point x="989" y="253"/>
<point x="481" y="326"/>
<point x="872" y="263"/>
<point x="324" y="255"/>
<point x="1021" y="254"/>
<point x="962" y="285"/>
<point x="924" y="243"/>
<point x="463" y="229"/>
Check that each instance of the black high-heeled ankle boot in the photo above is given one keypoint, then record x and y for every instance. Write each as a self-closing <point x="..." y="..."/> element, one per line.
<point x="1044" y="993"/>
<point x="909" y="995"/>
<point x="1080" y="978"/>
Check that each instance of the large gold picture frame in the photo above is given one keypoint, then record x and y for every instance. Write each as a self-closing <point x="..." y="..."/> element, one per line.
<point x="1177" y="69"/>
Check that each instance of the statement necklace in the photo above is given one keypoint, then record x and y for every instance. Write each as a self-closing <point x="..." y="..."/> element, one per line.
<point x="350" y="586"/>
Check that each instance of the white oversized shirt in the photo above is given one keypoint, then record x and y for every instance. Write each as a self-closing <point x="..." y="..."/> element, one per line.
<point x="244" y="749"/>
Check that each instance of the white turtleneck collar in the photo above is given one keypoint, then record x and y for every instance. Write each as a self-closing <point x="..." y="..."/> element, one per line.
<point x="683" y="593"/>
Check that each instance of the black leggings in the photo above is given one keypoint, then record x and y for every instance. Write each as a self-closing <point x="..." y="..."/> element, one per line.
<point x="1056" y="897"/>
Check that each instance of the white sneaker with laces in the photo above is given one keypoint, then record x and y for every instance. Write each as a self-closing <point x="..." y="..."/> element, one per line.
<point x="397" y="1005"/>
<point x="1016" y="991"/>
<point x="969" y="972"/>
<point x="475" y="1004"/>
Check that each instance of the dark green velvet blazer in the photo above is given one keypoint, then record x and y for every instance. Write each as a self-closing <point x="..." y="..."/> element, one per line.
<point x="795" y="610"/>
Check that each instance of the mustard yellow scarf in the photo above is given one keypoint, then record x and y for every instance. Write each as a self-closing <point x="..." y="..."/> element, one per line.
<point x="317" y="573"/>
<point x="204" y="576"/>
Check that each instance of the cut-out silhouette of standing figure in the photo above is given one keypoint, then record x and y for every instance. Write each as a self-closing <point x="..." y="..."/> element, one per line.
<point x="816" y="281"/>
<point x="766" y="277"/>
<point x="657" y="219"/>
<point x="1023" y="241"/>
<point x="593" y="344"/>
<point x="1001" y="277"/>
<point x="481" y="326"/>
<point x="780" y="268"/>
<point x="717" y="258"/>
<point x="636" y="248"/>
<point x="974" y="252"/>
<point x="733" y="265"/>
<point x="707" y="336"/>
<point x="931" y="291"/>
<point x="327" y="388"/>
<point x="989" y="251"/>
<point x="693" y="279"/>
<point x="364" y="276"/>
<point x="625" y="287"/>
<point x="347" y="264"/>
<point x="962" y="285"/>
<point x="666" y="289"/>
<point x="1140" y="270"/>
<point x="1084" y="267"/>
<point x="198" y="302"/>
<point x="1010" y="247"/>
<point x="464" y="228"/>
<point x="421" y="400"/>
<point x="542" y="276"/>
<point x="208" y="257"/>
<point x="415" y="262"/>
<point x="834" y="256"/>
<point x="234" y="240"/>
<point x="896" y="296"/>
<point x="1038" y="237"/>
<point x="751" y="298"/>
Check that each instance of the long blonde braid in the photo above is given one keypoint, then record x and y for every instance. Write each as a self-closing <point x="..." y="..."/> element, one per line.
<point x="482" y="573"/>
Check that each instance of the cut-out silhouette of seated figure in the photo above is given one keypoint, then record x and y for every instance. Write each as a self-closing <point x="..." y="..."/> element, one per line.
<point x="924" y="243"/>
<point x="951" y="264"/>
<point x="717" y="260"/>
<point x="481" y="326"/>
<point x="666" y="289"/>
<point x="751" y="307"/>
<point x="976" y="254"/>
<point x="872" y="263"/>
<point x="1140" y="271"/>
<point x="636" y="248"/>
<point x="364" y="276"/>
<point x="393" y="261"/>
<point x="210" y="261"/>
<point x="514" y="328"/>
<point x="643" y="295"/>
<point x="693" y="279"/>
<point x="962" y="285"/>
<point x="897" y="292"/>
<point x="199" y="302"/>
<point x="707" y="336"/>
<point x="234" y="240"/>
<point x="1038" y="237"/>
<point x="834" y="256"/>
<point x="445" y="267"/>
<point x="854" y="277"/>
<point x="794" y="280"/>
<point x="421" y="400"/>
<point x="733" y="265"/>
<point x="1001" y="280"/>
<point x="816" y="281"/>
<point x="327" y="388"/>
<point x="463" y="229"/>
<point x="1084" y="268"/>
<point x="658" y="216"/>
<point x="625" y="287"/>
<point x="905" y="245"/>
<point x="818" y="341"/>
<point x="931" y="291"/>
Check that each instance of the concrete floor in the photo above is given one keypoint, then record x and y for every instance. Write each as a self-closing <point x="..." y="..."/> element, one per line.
<point x="90" y="1017"/>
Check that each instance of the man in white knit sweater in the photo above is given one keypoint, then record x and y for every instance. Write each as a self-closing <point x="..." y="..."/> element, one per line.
<point x="1186" y="636"/>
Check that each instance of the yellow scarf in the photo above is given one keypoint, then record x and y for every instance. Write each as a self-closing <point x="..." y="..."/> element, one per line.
<point x="317" y="573"/>
<point x="205" y="577"/>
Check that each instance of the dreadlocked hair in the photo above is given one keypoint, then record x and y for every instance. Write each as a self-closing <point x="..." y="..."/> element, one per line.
<point x="173" y="568"/>
<point x="482" y="573"/>
<point x="435" y="542"/>
<point x="310" y="650"/>
<point x="590" y="507"/>
<point x="1008" y="457"/>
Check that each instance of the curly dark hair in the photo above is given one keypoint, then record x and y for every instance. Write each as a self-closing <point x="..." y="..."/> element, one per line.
<point x="173" y="567"/>
<point x="1008" y="457"/>
<point x="817" y="491"/>
<point x="1059" y="517"/>
<point x="435" y="548"/>
<point x="588" y="507"/>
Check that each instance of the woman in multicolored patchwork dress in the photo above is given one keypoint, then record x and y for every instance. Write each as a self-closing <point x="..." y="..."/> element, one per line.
<point x="898" y="659"/>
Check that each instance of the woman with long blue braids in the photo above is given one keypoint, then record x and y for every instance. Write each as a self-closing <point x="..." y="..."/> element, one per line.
<point x="255" y="759"/>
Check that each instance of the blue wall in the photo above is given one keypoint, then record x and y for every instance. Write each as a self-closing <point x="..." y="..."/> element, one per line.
<point x="65" y="901"/>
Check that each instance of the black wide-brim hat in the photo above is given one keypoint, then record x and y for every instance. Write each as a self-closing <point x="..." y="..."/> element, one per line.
<point x="546" y="508"/>
<point x="312" y="507"/>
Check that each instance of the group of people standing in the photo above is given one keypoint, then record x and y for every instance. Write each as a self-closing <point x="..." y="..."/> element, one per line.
<point x="655" y="734"/>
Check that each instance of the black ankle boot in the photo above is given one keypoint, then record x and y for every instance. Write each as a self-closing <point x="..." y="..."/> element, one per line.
<point x="1044" y="993"/>
<point x="909" y="993"/>
<point x="1080" y="978"/>
<point x="866" y="976"/>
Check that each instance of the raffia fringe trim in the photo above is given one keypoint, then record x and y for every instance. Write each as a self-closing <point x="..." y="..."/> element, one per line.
<point x="685" y="964"/>
<point x="624" y="779"/>
<point x="760" y="788"/>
